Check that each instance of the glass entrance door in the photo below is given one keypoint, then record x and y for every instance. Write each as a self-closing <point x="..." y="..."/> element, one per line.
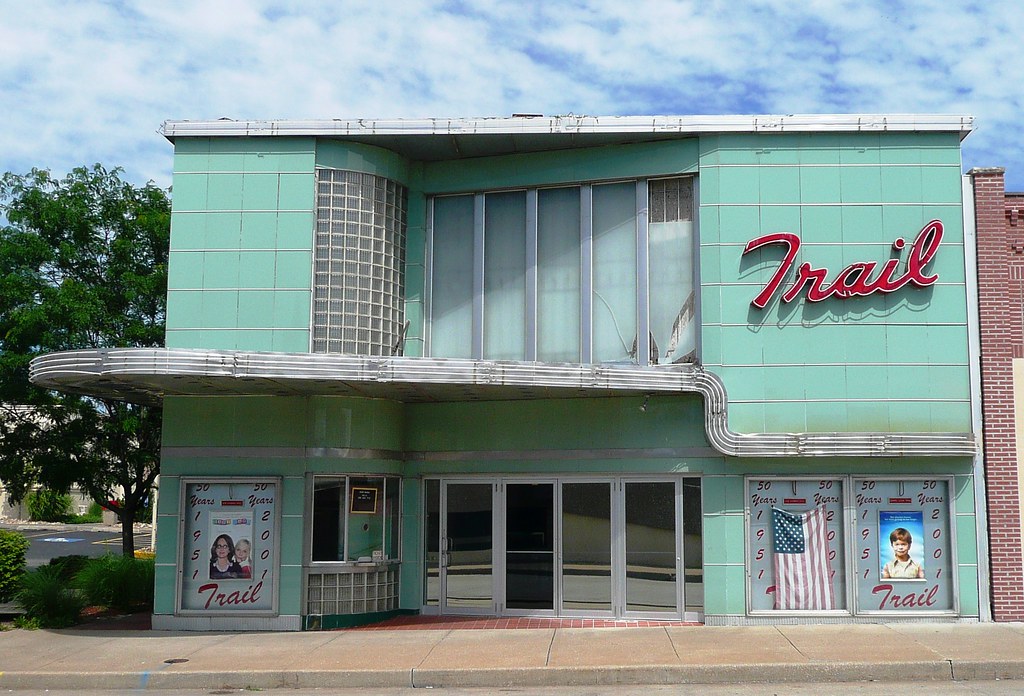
<point x="530" y="547"/>
<point x="603" y="547"/>
<point x="467" y="548"/>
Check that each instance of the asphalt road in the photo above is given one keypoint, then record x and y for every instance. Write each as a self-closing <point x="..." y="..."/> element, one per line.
<point x="47" y="544"/>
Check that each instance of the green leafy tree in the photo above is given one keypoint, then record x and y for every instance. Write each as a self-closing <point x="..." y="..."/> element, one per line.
<point x="83" y="264"/>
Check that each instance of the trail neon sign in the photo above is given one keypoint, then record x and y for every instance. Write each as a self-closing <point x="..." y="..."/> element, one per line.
<point x="855" y="280"/>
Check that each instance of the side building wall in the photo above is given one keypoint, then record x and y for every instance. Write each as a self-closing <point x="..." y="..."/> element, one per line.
<point x="1001" y="303"/>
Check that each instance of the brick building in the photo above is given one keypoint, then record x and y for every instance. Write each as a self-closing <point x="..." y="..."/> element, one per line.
<point x="1000" y="230"/>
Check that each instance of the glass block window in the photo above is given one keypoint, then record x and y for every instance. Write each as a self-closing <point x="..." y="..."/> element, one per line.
<point x="359" y="264"/>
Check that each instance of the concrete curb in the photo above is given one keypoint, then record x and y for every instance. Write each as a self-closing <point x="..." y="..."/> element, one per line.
<point x="168" y="677"/>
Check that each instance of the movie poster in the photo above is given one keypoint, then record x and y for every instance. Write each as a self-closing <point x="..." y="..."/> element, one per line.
<point x="229" y="545"/>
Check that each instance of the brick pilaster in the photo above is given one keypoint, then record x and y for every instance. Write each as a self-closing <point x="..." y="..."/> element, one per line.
<point x="1001" y="315"/>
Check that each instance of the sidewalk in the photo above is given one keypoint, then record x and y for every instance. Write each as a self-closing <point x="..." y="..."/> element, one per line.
<point x="85" y="658"/>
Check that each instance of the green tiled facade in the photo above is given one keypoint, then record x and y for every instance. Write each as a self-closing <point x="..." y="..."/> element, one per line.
<point x="241" y="278"/>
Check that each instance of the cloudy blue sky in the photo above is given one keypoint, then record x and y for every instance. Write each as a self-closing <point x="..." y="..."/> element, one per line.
<point x="91" y="81"/>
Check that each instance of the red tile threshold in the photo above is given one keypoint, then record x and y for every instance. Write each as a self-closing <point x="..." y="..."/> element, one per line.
<point x="447" y="623"/>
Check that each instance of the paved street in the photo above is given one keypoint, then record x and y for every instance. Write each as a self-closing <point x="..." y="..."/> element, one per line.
<point x="51" y="540"/>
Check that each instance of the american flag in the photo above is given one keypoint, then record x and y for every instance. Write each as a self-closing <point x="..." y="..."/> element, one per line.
<point x="803" y="575"/>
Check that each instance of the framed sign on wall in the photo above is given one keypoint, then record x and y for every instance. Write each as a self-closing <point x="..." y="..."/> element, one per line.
<point x="229" y="545"/>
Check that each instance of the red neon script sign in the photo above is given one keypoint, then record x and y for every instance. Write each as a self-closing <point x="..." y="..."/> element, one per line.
<point x="855" y="280"/>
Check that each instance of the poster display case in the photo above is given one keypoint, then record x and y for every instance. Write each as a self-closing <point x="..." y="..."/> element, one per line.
<point x="904" y="545"/>
<point x="818" y="579"/>
<point x="229" y="546"/>
<point x="850" y="544"/>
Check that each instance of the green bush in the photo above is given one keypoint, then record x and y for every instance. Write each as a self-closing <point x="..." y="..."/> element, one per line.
<point x="93" y="516"/>
<point x="68" y="566"/>
<point x="45" y="505"/>
<point x="12" y="562"/>
<point x="119" y="582"/>
<point x="48" y="599"/>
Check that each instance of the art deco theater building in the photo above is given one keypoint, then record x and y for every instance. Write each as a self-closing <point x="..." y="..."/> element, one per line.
<point x="672" y="367"/>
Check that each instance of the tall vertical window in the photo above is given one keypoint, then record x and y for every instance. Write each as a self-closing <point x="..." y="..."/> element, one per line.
<point x="359" y="264"/>
<point x="670" y="247"/>
<point x="559" y="280"/>
<point x="570" y="274"/>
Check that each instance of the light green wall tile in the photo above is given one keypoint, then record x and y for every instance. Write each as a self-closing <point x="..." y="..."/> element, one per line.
<point x="259" y="191"/>
<point x="783" y="417"/>
<point x="295" y="230"/>
<point x="166" y="582"/>
<point x="167" y="531"/>
<point x="259" y="340"/>
<point x="738" y="184"/>
<point x="780" y="219"/>
<point x="296" y="192"/>
<point x="780" y="184"/>
<point x="747" y="418"/>
<point x="901" y="184"/>
<point x="968" y="590"/>
<point x="859" y="148"/>
<point x="256" y="309"/>
<point x="860" y="184"/>
<point x="827" y="417"/>
<point x="291" y="341"/>
<point x="710" y="187"/>
<point x="223" y="230"/>
<point x="966" y="540"/>
<point x="738" y="223"/>
<point x="184" y="309"/>
<point x="411" y="570"/>
<point x="183" y="338"/>
<point x="226" y="159"/>
<point x="220" y="269"/>
<point x="290" y="590"/>
<point x="256" y="269"/>
<point x="820" y="185"/>
<point x="219" y="339"/>
<point x="189" y="191"/>
<point x="723" y="539"/>
<point x="941" y="184"/>
<point x="219" y="309"/>
<point x="725" y="590"/>
<point x="950" y="416"/>
<point x="185" y="270"/>
<point x="225" y="192"/>
<point x="294" y="270"/>
<point x="964" y="494"/>
<point x="863" y="224"/>
<point x="188" y="231"/>
<point x="292" y="310"/>
<point x="868" y="416"/>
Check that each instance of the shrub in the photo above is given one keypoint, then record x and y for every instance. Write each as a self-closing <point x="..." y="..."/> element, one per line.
<point x="93" y="516"/>
<point x="48" y="599"/>
<point x="45" y="505"/>
<point x="120" y="582"/>
<point x="12" y="562"/>
<point x="68" y="566"/>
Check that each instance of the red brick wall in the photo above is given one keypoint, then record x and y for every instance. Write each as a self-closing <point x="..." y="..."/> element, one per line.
<point x="1001" y="310"/>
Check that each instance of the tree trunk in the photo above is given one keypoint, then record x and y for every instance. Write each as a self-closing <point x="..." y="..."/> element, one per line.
<point x="126" y="517"/>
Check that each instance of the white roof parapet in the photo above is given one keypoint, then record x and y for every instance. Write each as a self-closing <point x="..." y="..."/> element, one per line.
<point x="148" y="374"/>
<point x="572" y="124"/>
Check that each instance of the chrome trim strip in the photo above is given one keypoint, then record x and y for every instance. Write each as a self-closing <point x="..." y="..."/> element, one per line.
<point x="148" y="374"/>
<point x="572" y="125"/>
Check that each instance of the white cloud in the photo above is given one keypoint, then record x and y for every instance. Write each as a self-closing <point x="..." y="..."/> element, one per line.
<point x="91" y="81"/>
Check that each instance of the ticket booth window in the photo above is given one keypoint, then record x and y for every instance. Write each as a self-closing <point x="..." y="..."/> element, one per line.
<point x="355" y="519"/>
